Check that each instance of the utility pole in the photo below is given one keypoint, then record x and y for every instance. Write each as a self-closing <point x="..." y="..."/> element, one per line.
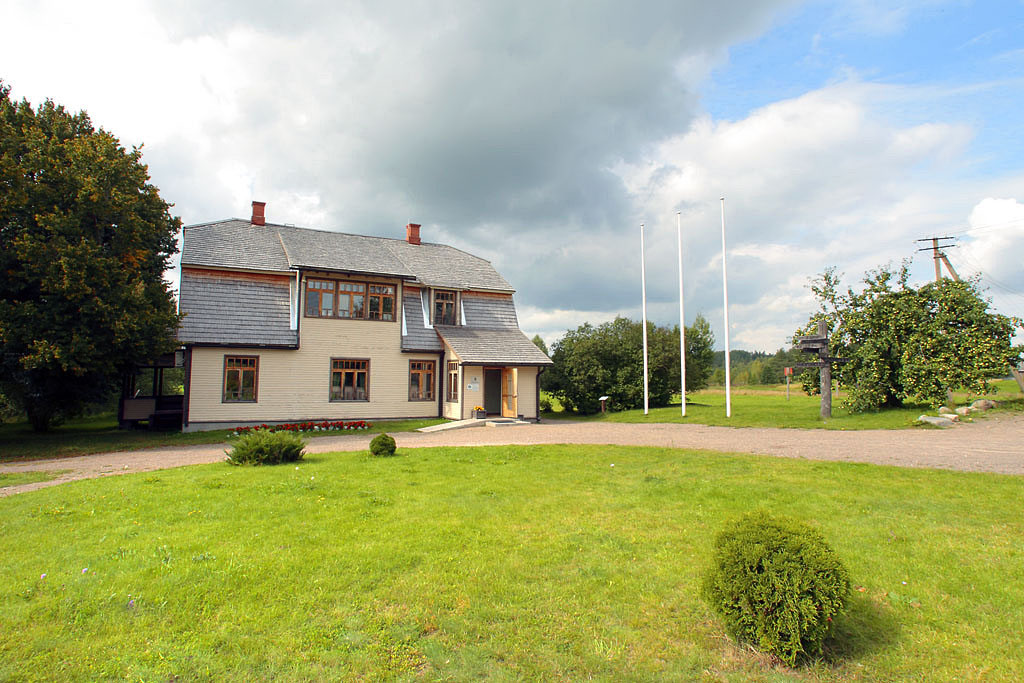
<point x="940" y="256"/>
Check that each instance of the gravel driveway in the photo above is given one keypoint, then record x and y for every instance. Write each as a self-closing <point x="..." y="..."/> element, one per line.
<point x="992" y="444"/>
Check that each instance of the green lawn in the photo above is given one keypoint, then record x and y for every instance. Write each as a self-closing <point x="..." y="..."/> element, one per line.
<point x="20" y="478"/>
<point x="99" y="434"/>
<point x="766" y="406"/>
<point x="508" y="563"/>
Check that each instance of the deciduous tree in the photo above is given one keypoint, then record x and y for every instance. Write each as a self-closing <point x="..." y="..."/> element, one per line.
<point x="907" y="344"/>
<point x="591" y="362"/>
<point x="84" y="242"/>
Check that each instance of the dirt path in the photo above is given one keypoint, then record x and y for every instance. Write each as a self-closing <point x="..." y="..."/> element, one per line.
<point x="994" y="444"/>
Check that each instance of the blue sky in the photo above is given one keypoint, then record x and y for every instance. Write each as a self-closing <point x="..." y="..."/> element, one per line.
<point x="966" y="59"/>
<point x="540" y="135"/>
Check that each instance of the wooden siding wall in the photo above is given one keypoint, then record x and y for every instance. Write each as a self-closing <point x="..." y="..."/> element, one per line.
<point x="295" y="384"/>
<point x="527" y="392"/>
<point x="472" y="374"/>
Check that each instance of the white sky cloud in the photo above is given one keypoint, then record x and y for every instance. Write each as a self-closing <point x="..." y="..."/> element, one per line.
<point x="539" y="136"/>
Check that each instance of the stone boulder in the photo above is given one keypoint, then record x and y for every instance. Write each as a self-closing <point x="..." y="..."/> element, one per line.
<point x="983" y="404"/>
<point x="937" y="421"/>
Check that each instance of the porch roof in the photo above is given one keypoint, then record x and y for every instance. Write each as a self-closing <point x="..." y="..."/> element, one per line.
<point x="477" y="346"/>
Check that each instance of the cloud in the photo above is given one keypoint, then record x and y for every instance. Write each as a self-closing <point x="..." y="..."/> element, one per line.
<point x="538" y="135"/>
<point x="991" y="249"/>
<point x="814" y="181"/>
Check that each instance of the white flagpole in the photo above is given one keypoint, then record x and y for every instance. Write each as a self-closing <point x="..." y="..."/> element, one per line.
<point x="643" y="291"/>
<point x="682" y="320"/>
<point x="725" y="294"/>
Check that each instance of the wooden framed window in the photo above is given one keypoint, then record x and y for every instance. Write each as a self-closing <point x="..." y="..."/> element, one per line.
<point x="241" y="377"/>
<point x="381" y="303"/>
<point x="453" y="381"/>
<point x="320" y="298"/>
<point x="350" y="379"/>
<point x="444" y="307"/>
<point x="421" y="380"/>
<point x="351" y="300"/>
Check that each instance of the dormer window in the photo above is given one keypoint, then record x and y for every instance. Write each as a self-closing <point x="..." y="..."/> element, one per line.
<point x="444" y="307"/>
<point x="352" y="300"/>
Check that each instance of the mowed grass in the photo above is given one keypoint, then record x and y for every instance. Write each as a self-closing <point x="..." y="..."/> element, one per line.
<point x="99" y="434"/>
<point x="21" y="478"/>
<point x="507" y="563"/>
<point x="767" y="406"/>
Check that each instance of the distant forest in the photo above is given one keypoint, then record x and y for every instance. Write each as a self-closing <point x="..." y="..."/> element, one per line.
<point x="756" y="367"/>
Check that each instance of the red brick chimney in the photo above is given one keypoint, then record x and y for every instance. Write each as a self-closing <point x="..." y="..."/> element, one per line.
<point x="412" y="233"/>
<point x="258" y="217"/>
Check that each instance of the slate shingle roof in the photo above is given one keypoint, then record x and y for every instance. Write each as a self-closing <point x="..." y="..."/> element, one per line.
<point x="475" y="346"/>
<point x="417" y="337"/>
<point x="249" y="312"/>
<point x="237" y="243"/>
<point x="233" y="244"/>
<point x="489" y="312"/>
<point x="439" y="265"/>
<point x="320" y="250"/>
<point x="234" y="311"/>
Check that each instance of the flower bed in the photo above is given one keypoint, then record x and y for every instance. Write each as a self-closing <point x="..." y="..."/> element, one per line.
<point x="325" y="426"/>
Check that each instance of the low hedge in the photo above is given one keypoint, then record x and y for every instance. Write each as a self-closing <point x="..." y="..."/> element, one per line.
<point x="263" y="447"/>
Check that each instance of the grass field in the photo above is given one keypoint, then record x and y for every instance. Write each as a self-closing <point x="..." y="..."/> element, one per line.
<point x="766" y="406"/>
<point x="99" y="434"/>
<point x="553" y="562"/>
<point x="20" y="478"/>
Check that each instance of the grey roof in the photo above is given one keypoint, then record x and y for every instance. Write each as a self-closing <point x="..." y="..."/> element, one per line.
<point x="234" y="311"/>
<point x="439" y="265"/>
<point x="475" y="346"/>
<point x="490" y="312"/>
<point x="417" y="337"/>
<point x="237" y="243"/>
<point x="233" y="244"/>
<point x="320" y="250"/>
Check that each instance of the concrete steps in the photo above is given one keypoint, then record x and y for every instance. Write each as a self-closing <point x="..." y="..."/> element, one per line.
<point x="463" y="424"/>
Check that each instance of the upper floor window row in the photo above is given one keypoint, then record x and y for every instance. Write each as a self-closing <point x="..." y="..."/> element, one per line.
<point x="344" y="299"/>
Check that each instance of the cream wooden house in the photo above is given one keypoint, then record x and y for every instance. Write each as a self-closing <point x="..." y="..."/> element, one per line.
<point x="286" y="324"/>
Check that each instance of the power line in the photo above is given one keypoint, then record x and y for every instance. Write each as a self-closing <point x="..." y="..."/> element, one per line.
<point x="998" y="284"/>
<point x="984" y="228"/>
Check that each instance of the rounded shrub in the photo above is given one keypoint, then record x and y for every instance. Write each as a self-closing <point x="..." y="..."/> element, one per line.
<point x="382" y="446"/>
<point x="776" y="584"/>
<point x="264" y="447"/>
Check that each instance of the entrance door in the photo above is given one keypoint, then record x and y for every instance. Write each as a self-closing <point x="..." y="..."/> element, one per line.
<point x="492" y="391"/>
<point x="509" y="393"/>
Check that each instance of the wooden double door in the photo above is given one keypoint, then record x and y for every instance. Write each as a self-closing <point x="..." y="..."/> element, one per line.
<point x="501" y="391"/>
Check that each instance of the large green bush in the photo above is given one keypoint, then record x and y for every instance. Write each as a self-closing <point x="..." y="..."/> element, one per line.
<point x="382" y="446"/>
<point x="263" y="447"/>
<point x="607" y="360"/>
<point x="776" y="584"/>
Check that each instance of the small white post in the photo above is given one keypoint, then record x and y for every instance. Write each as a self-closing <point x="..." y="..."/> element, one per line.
<point x="725" y="294"/>
<point x="643" y="294"/>
<point x="682" y="319"/>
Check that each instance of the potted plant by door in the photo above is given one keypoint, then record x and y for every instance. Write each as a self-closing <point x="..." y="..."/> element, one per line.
<point x="479" y="413"/>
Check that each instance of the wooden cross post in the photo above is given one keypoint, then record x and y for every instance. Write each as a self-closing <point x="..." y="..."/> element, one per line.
<point x="818" y="343"/>
<point x="826" y="374"/>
